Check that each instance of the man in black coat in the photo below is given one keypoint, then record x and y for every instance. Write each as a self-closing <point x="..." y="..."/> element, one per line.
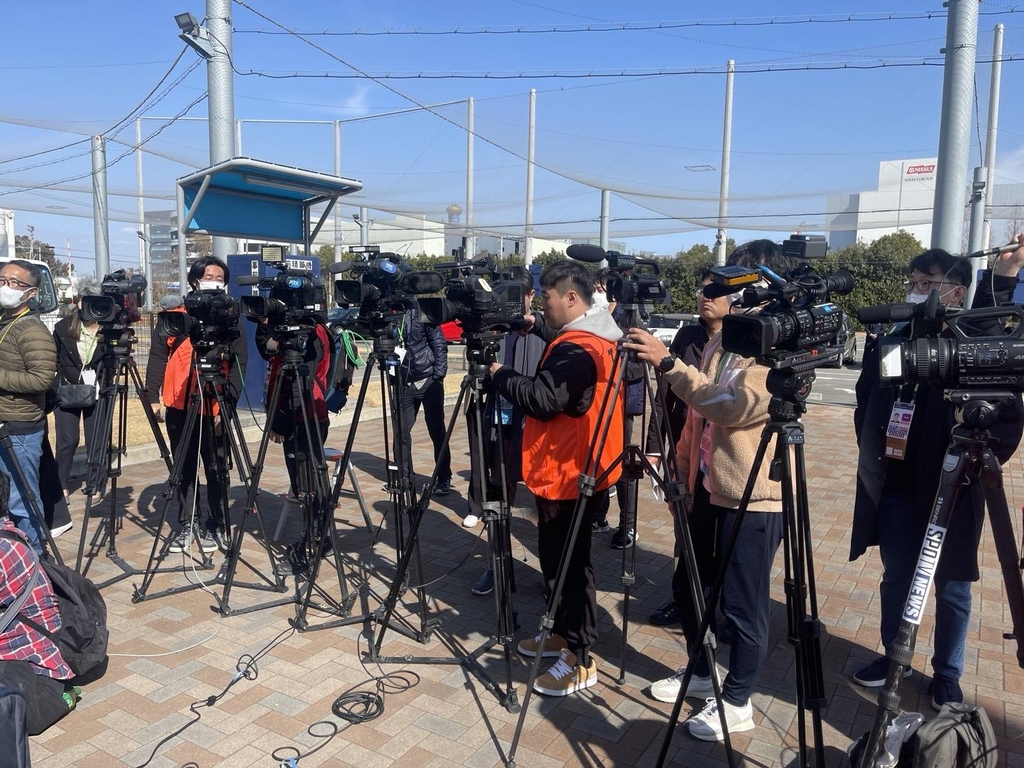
<point x="895" y="496"/>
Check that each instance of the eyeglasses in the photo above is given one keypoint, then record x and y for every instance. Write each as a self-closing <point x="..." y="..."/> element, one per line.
<point x="14" y="283"/>
<point x="925" y="286"/>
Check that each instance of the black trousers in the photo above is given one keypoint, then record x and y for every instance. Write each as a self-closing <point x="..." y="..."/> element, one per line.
<point x="45" y="696"/>
<point x="67" y="432"/>
<point x="431" y="397"/>
<point x="746" y="598"/>
<point x="213" y="450"/>
<point x="576" y="614"/>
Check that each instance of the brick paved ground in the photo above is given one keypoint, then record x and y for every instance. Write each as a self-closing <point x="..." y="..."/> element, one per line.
<point x="171" y="651"/>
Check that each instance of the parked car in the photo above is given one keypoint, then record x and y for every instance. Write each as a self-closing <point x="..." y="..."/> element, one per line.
<point x="664" y="327"/>
<point x="847" y="339"/>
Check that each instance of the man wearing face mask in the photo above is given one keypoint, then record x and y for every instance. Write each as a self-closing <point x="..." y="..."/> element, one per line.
<point x="28" y="362"/>
<point x="171" y="373"/>
<point x="896" y="484"/>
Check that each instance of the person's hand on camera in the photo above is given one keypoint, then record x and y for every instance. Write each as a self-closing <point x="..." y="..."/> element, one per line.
<point x="158" y="413"/>
<point x="1010" y="264"/>
<point x="648" y="348"/>
<point x="495" y="367"/>
<point x="528" y="322"/>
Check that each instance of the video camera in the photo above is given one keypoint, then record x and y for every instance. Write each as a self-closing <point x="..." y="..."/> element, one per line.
<point x="210" y="317"/>
<point x="382" y="285"/>
<point x="798" y="325"/>
<point x="294" y="294"/>
<point x="986" y="350"/>
<point x="479" y="295"/>
<point x="632" y="280"/>
<point x="118" y="304"/>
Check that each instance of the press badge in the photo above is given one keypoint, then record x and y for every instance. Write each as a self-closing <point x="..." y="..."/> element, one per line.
<point x="88" y="377"/>
<point x="898" y="430"/>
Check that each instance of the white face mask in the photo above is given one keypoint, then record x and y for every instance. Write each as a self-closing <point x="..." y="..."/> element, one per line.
<point x="917" y="298"/>
<point x="211" y="285"/>
<point x="599" y="301"/>
<point x="11" y="297"/>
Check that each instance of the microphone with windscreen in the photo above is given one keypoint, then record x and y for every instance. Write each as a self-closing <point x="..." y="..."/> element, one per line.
<point x="591" y="254"/>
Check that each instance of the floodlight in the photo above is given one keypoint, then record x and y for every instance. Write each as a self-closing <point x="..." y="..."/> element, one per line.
<point x="186" y="23"/>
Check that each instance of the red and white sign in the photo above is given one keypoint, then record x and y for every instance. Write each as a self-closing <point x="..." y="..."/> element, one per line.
<point x="924" y="169"/>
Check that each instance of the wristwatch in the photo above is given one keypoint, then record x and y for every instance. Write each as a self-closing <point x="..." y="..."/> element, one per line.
<point x="667" y="363"/>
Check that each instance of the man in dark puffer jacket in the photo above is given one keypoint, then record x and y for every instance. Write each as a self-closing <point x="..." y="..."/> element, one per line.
<point x="28" y="361"/>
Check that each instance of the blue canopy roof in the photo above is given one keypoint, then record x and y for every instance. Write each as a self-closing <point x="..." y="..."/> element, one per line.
<point x="258" y="200"/>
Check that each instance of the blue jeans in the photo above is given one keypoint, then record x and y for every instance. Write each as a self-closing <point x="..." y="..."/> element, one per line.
<point x="29" y="450"/>
<point x="899" y="548"/>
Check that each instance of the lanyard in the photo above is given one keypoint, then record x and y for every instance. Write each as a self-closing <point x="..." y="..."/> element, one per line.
<point x="723" y="363"/>
<point x="88" y="349"/>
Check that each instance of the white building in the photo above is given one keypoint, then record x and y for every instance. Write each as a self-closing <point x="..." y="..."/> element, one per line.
<point x="904" y="200"/>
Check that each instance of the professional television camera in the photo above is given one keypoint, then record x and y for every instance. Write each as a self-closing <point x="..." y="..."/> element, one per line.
<point x="210" y="317"/>
<point x="986" y="350"/>
<point x="383" y="287"/>
<point x="632" y="280"/>
<point x="798" y="325"/>
<point x="117" y="306"/>
<point x="294" y="294"/>
<point x="479" y="295"/>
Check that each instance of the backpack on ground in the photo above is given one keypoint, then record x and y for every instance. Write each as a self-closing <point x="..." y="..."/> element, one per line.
<point x="960" y="737"/>
<point x="83" y="636"/>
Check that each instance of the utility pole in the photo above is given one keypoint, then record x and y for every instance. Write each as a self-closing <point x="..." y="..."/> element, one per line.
<point x="955" y="124"/>
<point x="977" y="231"/>
<point x="723" y="189"/>
<point x="337" y="172"/>
<point x="991" y="132"/>
<point x="470" y="237"/>
<point x="101" y="231"/>
<point x="221" y="99"/>
<point x="530" y="146"/>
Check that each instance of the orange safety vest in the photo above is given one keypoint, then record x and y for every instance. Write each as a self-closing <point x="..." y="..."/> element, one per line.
<point x="555" y="452"/>
<point x="179" y="376"/>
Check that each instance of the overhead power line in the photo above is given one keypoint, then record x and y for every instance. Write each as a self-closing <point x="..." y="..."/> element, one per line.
<point x="628" y="26"/>
<point x="857" y="66"/>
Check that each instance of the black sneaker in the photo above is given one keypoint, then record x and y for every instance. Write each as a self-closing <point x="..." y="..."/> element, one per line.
<point x="485" y="584"/>
<point x="875" y="673"/>
<point x="944" y="690"/>
<point x="600" y="526"/>
<point x="623" y="538"/>
<point x="443" y="488"/>
<point x="666" y="616"/>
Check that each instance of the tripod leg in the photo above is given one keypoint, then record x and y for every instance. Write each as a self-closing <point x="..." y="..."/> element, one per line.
<point x="1004" y="537"/>
<point x="958" y="462"/>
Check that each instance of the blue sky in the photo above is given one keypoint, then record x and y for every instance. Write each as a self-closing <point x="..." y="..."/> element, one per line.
<point x="71" y="70"/>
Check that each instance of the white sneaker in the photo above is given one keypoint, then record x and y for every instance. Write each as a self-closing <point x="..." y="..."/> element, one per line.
<point x="57" y="531"/>
<point x="668" y="689"/>
<point x="470" y="521"/>
<point x="706" y="725"/>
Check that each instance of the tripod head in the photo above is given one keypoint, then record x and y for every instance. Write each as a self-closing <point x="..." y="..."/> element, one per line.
<point x="789" y="389"/>
<point x="977" y="410"/>
<point x="482" y="348"/>
<point x="116" y="339"/>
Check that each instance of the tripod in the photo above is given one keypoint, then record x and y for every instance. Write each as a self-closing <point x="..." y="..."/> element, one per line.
<point x="482" y="414"/>
<point x="206" y="397"/>
<point x="116" y="368"/>
<point x="789" y="389"/>
<point x="968" y="456"/>
<point x="311" y="487"/>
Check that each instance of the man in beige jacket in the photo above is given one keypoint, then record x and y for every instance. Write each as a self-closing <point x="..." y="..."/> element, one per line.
<point x="728" y="408"/>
